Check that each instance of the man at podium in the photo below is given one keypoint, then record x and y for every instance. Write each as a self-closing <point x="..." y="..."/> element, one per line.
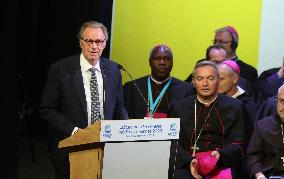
<point x="80" y="90"/>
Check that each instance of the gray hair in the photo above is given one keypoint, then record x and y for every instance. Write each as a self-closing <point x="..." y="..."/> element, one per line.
<point x="228" y="68"/>
<point x="93" y="24"/>
<point x="233" y="34"/>
<point x="205" y="63"/>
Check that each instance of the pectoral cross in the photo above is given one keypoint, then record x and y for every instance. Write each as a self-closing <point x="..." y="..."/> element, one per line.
<point x="195" y="148"/>
<point x="282" y="161"/>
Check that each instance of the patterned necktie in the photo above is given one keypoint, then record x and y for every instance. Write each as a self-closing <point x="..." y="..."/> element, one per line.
<point x="95" y="102"/>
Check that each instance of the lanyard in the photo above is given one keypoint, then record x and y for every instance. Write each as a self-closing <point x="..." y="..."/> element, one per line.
<point x="154" y="105"/>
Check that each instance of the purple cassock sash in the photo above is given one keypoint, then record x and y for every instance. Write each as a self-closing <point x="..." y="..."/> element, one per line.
<point x="207" y="167"/>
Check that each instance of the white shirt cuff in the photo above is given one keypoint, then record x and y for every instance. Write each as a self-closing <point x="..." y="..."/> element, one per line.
<point x="75" y="130"/>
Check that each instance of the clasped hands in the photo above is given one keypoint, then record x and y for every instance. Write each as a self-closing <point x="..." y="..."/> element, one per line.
<point x="194" y="165"/>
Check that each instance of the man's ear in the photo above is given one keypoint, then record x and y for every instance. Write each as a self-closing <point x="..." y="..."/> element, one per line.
<point x="235" y="79"/>
<point x="193" y="83"/>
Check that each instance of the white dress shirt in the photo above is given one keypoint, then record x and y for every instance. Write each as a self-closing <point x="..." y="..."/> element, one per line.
<point x="86" y="73"/>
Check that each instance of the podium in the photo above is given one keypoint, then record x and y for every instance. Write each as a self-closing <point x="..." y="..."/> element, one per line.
<point x="86" y="153"/>
<point x="87" y="145"/>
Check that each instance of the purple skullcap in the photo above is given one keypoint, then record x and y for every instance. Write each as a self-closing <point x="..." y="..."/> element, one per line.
<point x="233" y="31"/>
<point x="233" y="65"/>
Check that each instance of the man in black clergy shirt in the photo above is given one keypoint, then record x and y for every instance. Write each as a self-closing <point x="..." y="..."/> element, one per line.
<point x="229" y="73"/>
<point x="158" y="91"/>
<point x="228" y="37"/>
<point x="266" y="147"/>
<point x="212" y="126"/>
<point x="155" y="93"/>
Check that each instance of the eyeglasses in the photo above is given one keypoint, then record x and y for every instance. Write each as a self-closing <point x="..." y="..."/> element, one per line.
<point x="280" y="101"/>
<point x="90" y="42"/>
<point x="217" y="61"/>
<point x="220" y="41"/>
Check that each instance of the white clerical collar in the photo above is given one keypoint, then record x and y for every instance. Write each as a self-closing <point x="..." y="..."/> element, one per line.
<point x="207" y="103"/>
<point x="239" y="92"/>
<point x="85" y="65"/>
<point x="159" y="82"/>
<point x="234" y="58"/>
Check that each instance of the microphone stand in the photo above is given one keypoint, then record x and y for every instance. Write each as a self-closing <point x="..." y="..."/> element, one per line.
<point x="121" y="68"/>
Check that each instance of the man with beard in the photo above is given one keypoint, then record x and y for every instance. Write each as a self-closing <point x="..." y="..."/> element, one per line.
<point x="214" y="130"/>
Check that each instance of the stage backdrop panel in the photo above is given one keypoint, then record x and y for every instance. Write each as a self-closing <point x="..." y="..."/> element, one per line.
<point x="187" y="26"/>
<point x="136" y="160"/>
<point x="271" y="35"/>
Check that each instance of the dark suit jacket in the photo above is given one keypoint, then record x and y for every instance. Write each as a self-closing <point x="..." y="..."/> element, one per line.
<point x="268" y="108"/>
<point x="267" y="85"/>
<point x="249" y="103"/>
<point x="247" y="71"/>
<point x="64" y="103"/>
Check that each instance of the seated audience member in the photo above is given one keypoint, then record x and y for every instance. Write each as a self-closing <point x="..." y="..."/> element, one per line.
<point x="229" y="72"/>
<point x="267" y="108"/>
<point x="266" y="147"/>
<point x="273" y="73"/>
<point x="268" y="83"/>
<point x="228" y="37"/>
<point x="152" y="95"/>
<point x="155" y="93"/>
<point x="213" y="131"/>
<point x="215" y="53"/>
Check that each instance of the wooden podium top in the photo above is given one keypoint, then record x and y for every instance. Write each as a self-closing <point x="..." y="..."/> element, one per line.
<point x="91" y="134"/>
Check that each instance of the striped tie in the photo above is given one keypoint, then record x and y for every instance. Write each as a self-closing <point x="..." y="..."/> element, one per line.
<point x="95" y="102"/>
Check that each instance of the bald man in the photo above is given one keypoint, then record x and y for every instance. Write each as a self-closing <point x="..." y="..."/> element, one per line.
<point x="266" y="147"/>
<point x="152" y="95"/>
<point x="216" y="53"/>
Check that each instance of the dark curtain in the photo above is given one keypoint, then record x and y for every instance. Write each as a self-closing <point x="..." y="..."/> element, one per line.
<point x="36" y="34"/>
<point x="9" y="93"/>
<point x="49" y="30"/>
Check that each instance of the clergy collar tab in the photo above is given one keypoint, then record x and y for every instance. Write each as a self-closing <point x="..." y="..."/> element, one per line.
<point x="159" y="82"/>
<point x="207" y="103"/>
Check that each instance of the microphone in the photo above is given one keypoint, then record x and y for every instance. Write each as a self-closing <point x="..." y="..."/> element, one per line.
<point x="120" y="67"/>
<point x="104" y="70"/>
